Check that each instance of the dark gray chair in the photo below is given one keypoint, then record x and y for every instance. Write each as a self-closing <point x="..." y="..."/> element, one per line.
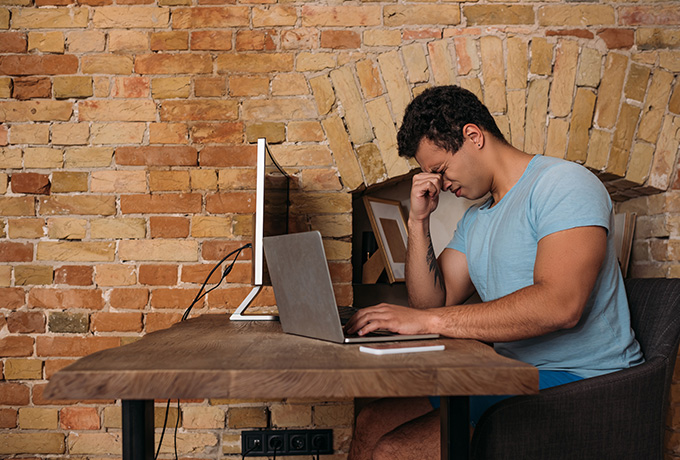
<point x="617" y="416"/>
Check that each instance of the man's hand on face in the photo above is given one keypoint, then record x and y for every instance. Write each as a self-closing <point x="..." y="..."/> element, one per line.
<point x="425" y="190"/>
<point x="387" y="317"/>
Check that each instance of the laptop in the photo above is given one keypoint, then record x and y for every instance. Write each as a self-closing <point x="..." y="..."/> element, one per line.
<point x="304" y="292"/>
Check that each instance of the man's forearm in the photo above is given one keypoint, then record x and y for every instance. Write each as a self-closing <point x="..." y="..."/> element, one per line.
<point x="424" y="280"/>
<point x="529" y="312"/>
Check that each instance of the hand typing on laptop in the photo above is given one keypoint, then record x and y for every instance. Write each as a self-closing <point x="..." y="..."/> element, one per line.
<point x="388" y="317"/>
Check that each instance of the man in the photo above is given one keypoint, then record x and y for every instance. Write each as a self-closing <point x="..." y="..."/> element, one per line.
<point x="539" y="252"/>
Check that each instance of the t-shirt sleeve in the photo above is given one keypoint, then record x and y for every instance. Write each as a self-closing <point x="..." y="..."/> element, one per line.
<point x="459" y="236"/>
<point x="568" y="196"/>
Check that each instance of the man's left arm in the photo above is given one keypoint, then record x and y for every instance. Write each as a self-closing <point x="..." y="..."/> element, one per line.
<point x="566" y="269"/>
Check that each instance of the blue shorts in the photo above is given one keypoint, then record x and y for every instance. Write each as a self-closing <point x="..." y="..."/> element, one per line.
<point x="479" y="404"/>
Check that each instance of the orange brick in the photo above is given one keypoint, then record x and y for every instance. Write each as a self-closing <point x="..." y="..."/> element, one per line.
<point x="16" y="346"/>
<point x="116" y="322"/>
<point x="209" y="86"/>
<point x="38" y="64"/>
<point x="166" y="181"/>
<point x="131" y="87"/>
<point x="232" y="202"/>
<point x="78" y="204"/>
<point x="164" y="41"/>
<point x="26" y="322"/>
<point x="169" y="227"/>
<point x="12" y="298"/>
<point x="8" y="418"/>
<point x="50" y="298"/>
<point x="617" y="38"/>
<point x="173" y="298"/>
<point x="215" y="250"/>
<point x="158" y="321"/>
<point x="255" y="40"/>
<point x="31" y="88"/>
<point x="419" y="34"/>
<point x="248" y="86"/>
<point x="198" y="273"/>
<point x="199" y="110"/>
<point x="159" y="275"/>
<point x="211" y="17"/>
<point x="254" y="63"/>
<point x="168" y="133"/>
<point x="340" y="39"/>
<point x="74" y="275"/>
<point x="79" y="418"/>
<point x="275" y="15"/>
<point x="165" y="203"/>
<point x="649" y="15"/>
<point x="211" y="40"/>
<point x="129" y="298"/>
<point x="301" y="38"/>
<point x="157" y="156"/>
<point x="217" y="133"/>
<point x="73" y="346"/>
<point x="341" y="16"/>
<point x="580" y="33"/>
<point x="25" y="228"/>
<point x="153" y="64"/>
<point x="13" y="42"/>
<point x="54" y="365"/>
<point x="30" y="183"/>
<point x="14" y="394"/>
<point x="16" y="252"/>
<point x="230" y="156"/>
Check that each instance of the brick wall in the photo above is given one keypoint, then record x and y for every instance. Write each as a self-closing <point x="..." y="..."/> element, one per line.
<point x="127" y="162"/>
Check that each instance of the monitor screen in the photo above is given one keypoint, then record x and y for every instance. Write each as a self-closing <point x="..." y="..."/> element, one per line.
<point x="272" y="205"/>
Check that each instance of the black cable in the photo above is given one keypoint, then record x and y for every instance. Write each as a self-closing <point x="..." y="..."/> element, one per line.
<point x="176" y="428"/>
<point x="160" y="443"/>
<point x="202" y="294"/>
<point x="198" y="297"/>
<point x="243" y="456"/>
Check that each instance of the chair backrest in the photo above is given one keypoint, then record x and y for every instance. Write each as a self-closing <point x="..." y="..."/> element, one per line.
<point x="655" y="314"/>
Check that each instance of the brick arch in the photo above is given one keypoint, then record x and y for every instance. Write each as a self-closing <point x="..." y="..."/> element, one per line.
<point x="615" y="111"/>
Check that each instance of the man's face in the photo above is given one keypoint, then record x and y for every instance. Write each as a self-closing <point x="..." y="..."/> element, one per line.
<point x="460" y="172"/>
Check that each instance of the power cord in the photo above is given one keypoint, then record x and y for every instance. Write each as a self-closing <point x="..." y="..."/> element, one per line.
<point x="227" y="270"/>
<point x="185" y="316"/>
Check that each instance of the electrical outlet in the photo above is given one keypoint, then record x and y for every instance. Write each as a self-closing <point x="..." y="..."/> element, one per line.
<point x="262" y="443"/>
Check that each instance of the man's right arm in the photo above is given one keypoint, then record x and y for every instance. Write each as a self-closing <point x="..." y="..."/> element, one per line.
<point x="431" y="283"/>
<point x="424" y="281"/>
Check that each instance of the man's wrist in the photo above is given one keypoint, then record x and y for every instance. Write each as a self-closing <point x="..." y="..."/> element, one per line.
<point x="417" y="224"/>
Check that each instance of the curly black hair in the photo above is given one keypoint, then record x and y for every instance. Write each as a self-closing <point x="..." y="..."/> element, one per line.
<point x="439" y="114"/>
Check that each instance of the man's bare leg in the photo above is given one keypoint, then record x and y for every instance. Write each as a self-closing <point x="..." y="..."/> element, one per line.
<point x="383" y="416"/>
<point x="415" y="440"/>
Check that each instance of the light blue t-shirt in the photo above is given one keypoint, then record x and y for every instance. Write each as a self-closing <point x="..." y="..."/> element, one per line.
<point x="500" y="244"/>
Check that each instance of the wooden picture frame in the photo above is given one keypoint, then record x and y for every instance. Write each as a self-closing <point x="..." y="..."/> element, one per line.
<point x="389" y="226"/>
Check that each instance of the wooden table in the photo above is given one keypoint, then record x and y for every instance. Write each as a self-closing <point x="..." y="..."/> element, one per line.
<point x="212" y="357"/>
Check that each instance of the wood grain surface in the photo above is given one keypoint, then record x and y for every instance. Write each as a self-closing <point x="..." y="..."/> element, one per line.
<point x="213" y="357"/>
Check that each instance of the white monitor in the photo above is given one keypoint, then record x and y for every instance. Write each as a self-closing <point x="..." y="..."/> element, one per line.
<point x="272" y="203"/>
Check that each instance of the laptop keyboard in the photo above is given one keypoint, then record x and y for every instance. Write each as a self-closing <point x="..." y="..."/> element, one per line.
<point x="346" y="313"/>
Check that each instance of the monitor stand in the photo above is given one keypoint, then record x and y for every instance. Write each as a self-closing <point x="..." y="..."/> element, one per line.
<point x="239" y="316"/>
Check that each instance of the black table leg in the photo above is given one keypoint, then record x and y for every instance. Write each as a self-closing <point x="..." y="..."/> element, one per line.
<point x="138" y="435"/>
<point x="455" y="427"/>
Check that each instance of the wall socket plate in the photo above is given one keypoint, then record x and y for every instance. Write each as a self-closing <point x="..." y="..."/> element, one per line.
<point x="262" y="443"/>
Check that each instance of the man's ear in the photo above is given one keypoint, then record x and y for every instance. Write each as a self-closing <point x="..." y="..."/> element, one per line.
<point x="474" y="134"/>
